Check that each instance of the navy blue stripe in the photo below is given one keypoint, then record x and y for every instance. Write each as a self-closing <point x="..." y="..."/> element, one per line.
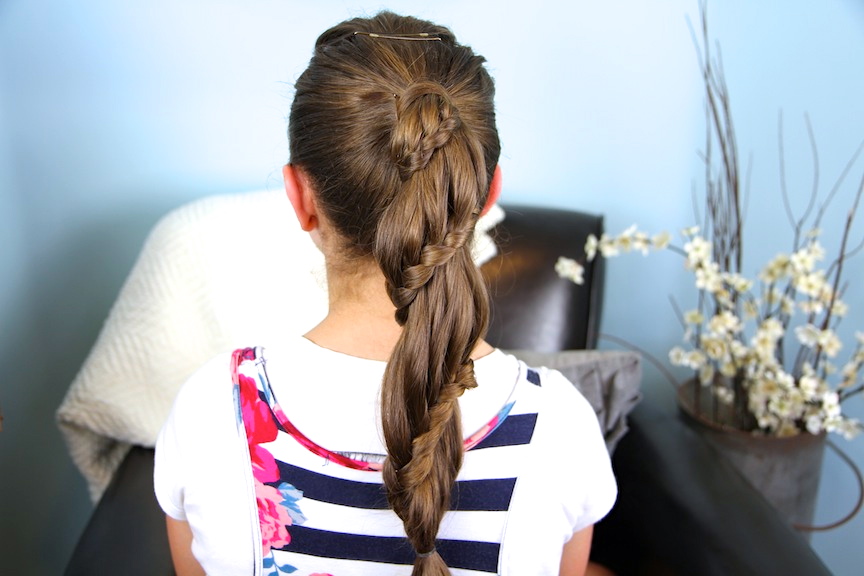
<point x="482" y="495"/>
<point x="465" y="554"/>
<point x="325" y="488"/>
<point x="515" y="430"/>
<point x="468" y="495"/>
<point x="533" y="376"/>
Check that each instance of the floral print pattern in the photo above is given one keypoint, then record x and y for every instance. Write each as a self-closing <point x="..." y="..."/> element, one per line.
<point x="277" y="505"/>
<point x="273" y="517"/>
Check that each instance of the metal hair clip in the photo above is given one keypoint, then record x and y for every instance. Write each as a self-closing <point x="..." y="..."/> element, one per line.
<point x="421" y="36"/>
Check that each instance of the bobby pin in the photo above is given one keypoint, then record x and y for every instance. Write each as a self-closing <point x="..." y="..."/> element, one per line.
<point x="421" y="36"/>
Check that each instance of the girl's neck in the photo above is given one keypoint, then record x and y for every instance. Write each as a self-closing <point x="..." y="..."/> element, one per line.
<point x="361" y="318"/>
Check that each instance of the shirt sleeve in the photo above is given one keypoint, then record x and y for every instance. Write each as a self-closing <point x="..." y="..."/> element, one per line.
<point x="168" y="461"/>
<point x="575" y="456"/>
<point x="183" y="439"/>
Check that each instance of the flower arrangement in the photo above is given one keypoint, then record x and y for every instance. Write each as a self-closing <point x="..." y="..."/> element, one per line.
<point x="736" y="338"/>
<point x="766" y="348"/>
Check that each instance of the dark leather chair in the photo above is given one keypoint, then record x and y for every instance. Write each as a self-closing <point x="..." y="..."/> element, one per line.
<point x="681" y="510"/>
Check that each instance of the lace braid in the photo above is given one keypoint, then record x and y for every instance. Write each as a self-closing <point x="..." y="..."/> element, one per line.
<point x="441" y="304"/>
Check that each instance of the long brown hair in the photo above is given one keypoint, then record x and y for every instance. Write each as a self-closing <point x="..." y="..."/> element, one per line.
<point x="396" y="131"/>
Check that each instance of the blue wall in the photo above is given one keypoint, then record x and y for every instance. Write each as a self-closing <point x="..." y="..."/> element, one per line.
<point x="112" y="113"/>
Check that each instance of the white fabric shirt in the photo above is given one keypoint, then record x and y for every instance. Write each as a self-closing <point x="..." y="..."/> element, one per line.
<point x="564" y="479"/>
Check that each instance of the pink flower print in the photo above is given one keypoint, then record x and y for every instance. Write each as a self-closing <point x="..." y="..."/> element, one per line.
<point x="264" y="467"/>
<point x="257" y="418"/>
<point x="272" y="517"/>
<point x="260" y="429"/>
<point x="246" y="354"/>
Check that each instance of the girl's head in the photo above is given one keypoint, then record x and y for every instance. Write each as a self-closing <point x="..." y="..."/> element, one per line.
<point x="374" y="115"/>
<point x="393" y="126"/>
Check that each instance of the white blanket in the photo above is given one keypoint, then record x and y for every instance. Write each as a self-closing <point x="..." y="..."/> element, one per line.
<point x="217" y="274"/>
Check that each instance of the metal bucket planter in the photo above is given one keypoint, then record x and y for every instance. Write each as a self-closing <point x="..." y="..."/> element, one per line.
<point x="786" y="471"/>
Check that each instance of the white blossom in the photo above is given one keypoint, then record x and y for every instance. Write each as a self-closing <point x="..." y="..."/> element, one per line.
<point x="737" y="282"/>
<point x="803" y="261"/>
<point x="849" y="374"/>
<point x="641" y="243"/>
<point x="739" y="350"/>
<point x="776" y="270"/>
<point x="693" y="317"/>
<point x="781" y="406"/>
<point x="689" y="232"/>
<point x="814" y="424"/>
<point x="695" y="359"/>
<point x="570" y="269"/>
<point x="698" y="252"/>
<point x="829" y="342"/>
<point x="706" y="374"/>
<point x="724" y="323"/>
<point x="849" y="428"/>
<point x="811" y="284"/>
<point x="608" y="246"/>
<point x="764" y="346"/>
<point x="772" y="327"/>
<point x="591" y="247"/>
<point x="767" y="421"/>
<point x="676" y="356"/>
<point x="624" y="242"/>
<point x="839" y="308"/>
<point x="708" y="278"/>
<point x="728" y="369"/>
<point x="785" y="380"/>
<point x="808" y="335"/>
<point x="831" y="404"/>
<point x="811" y="307"/>
<point x="714" y="347"/>
<point x="661" y="240"/>
<point x="787" y="429"/>
<point x="817" y="252"/>
<point x="809" y="385"/>
<point x="724" y="394"/>
<point x="764" y="388"/>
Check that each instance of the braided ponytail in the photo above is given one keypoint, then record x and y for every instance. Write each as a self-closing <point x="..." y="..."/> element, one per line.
<point x="398" y="138"/>
<point x="441" y="303"/>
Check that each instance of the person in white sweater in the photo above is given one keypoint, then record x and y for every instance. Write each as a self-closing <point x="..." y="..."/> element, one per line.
<point x="390" y="438"/>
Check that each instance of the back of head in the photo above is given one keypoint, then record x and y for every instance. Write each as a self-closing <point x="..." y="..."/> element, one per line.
<point x="393" y="122"/>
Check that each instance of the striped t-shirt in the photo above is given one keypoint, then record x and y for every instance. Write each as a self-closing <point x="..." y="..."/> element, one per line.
<point x="311" y="498"/>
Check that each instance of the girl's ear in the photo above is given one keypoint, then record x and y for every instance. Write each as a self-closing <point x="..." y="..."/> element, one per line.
<point x="494" y="190"/>
<point x="301" y="196"/>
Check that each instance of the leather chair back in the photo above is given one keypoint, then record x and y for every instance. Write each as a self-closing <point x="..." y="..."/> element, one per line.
<point x="532" y="308"/>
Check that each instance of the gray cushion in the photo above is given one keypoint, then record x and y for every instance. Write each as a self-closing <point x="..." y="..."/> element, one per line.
<point x="609" y="380"/>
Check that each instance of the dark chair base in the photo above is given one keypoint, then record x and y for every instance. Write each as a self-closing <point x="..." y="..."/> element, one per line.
<point x="126" y="534"/>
